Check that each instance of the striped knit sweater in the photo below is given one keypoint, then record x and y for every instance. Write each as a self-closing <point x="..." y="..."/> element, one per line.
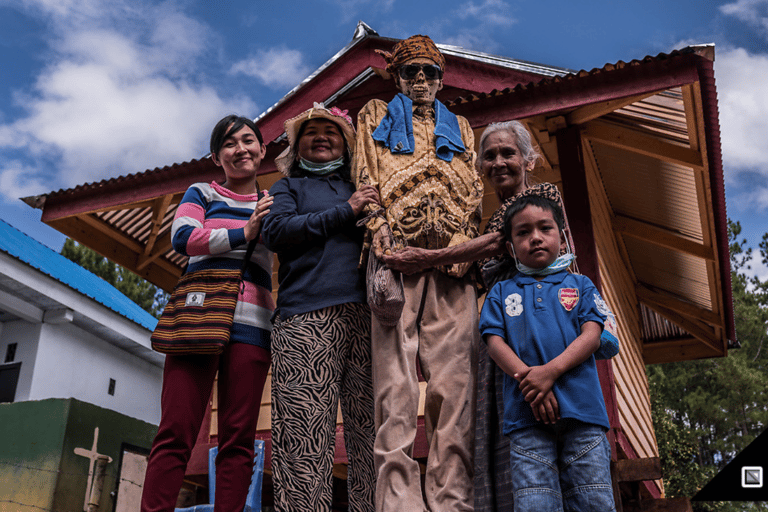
<point x="209" y="228"/>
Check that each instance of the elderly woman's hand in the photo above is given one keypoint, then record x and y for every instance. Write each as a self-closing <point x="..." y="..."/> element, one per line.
<point x="253" y="226"/>
<point x="409" y="260"/>
<point x="365" y="195"/>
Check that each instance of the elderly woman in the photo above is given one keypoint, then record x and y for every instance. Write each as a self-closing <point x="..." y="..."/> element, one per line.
<point x="321" y="337"/>
<point x="506" y="157"/>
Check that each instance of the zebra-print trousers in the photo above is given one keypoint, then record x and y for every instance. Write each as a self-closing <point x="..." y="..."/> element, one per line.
<point x="317" y="358"/>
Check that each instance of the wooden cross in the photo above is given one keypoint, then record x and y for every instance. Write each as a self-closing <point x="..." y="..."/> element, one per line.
<point x="93" y="455"/>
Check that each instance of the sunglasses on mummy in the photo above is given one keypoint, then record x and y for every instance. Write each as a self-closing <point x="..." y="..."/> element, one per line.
<point x="410" y="71"/>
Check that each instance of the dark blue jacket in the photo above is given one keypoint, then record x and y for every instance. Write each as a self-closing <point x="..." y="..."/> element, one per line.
<point x="311" y="228"/>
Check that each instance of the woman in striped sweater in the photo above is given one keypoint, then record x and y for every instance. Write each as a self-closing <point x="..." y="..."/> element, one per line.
<point x="213" y="225"/>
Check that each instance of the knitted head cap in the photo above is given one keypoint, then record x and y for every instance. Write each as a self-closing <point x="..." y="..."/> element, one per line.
<point x="412" y="48"/>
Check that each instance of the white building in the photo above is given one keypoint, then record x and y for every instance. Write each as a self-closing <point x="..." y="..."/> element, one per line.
<point x="65" y="332"/>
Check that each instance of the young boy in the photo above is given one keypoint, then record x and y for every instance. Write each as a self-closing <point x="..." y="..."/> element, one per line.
<point x="542" y="327"/>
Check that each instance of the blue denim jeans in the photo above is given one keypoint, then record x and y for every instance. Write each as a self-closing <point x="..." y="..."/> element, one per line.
<point x="561" y="467"/>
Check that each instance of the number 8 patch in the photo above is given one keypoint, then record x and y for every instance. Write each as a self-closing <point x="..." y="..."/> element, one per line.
<point x="514" y="303"/>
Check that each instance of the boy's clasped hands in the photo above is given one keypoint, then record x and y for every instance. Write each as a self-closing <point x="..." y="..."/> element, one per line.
<point x="536" y="385"/>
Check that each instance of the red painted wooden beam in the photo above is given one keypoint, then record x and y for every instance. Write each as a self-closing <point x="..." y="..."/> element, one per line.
<point x="557" y="95"/>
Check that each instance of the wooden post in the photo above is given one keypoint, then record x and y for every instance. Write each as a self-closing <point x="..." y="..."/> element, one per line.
<point x="576" y="200"/>
<point x="97" y="486"/>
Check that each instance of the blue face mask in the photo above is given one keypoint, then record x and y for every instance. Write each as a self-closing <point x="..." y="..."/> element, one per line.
<point x="321" y="169"/>
<point x="561" y="263"/>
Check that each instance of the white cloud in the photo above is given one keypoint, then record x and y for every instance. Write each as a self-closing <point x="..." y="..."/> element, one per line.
<point x="108" y="103"/>
<point x="74" y="15"/>
<point x="491" y="12"/>
<point x="474" y="26"/>
<point x="180" y="38"/>
<point x="756" y="269"/>
<point x="20" y="180"/>
<point x="276" y="67"/>
<point x="351" y="9"/>
<point x="471" y="40"/>
<point x="753" y="12"/>
<point x="741" y="79"/>
<point x="62" y="9"/>
<point x="106" y="123"/>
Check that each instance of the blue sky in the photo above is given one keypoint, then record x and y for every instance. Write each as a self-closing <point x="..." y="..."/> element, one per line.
<point x="92" y="89"/>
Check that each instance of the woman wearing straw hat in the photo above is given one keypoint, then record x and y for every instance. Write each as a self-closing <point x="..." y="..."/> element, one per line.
<point x="322" y="326"/>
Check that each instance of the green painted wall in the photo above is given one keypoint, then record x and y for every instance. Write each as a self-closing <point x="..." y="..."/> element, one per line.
<point x="39" y="468"/>
<point x="114" y="430"/>
<point x="31" y="438"/>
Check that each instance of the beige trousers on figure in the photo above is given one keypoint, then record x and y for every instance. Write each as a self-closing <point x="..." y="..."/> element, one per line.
<point x="439" y="326"/>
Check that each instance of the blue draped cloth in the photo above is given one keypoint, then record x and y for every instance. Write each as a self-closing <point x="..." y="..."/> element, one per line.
<point x="396" y="129"/>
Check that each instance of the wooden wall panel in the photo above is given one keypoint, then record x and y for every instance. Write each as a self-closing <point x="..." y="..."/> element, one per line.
<point x="618" y="286"/>
<point x="265" y="410"/>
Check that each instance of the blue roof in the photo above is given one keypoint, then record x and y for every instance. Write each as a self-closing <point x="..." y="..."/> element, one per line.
<point x="48" y="261"/>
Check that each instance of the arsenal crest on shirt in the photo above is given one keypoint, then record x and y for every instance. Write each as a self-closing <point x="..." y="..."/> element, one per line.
<point x="569" y="297"/>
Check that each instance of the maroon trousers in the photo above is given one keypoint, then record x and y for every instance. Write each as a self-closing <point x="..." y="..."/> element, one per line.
<point x="187" y="385"/>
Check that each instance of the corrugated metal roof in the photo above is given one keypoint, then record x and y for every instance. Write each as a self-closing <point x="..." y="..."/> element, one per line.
<point x="681" y="274"/>
<point x="505" y="62"/>
<point x="363" y="30"/>
<point x="656" y="192"/>
<point x="657" y="328"/>
<point x="46" y="260"/>
<point x="137" y="224"/>
<point x="569" y="78"/>
<point x="673" y="188"/>
<point x="157" y="177"/>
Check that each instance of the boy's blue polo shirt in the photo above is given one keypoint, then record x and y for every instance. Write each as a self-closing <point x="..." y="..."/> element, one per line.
<point x="539" y="319"/>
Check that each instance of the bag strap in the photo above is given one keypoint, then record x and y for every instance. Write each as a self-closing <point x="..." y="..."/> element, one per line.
<point x="252" y="243"/>
<point x="248" y="254"/>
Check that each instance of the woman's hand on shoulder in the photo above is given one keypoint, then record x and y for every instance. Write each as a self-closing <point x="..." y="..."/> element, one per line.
<point x="253" y="226"/>
<point x="362" y="197"/>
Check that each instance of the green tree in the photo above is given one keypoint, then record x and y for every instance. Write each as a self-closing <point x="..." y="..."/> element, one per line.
<point x="678" y="447"/>
<point x="148" y="296"/>
<point x="707" y="411"/>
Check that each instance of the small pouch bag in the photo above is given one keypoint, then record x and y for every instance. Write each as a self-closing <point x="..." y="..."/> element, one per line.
<point x="385" y="291"/>
<point x="201" y="310"/>
<point x="199" y="315"/>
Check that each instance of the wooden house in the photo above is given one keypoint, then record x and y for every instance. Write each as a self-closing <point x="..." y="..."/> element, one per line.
<point x="633" y="146"/>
